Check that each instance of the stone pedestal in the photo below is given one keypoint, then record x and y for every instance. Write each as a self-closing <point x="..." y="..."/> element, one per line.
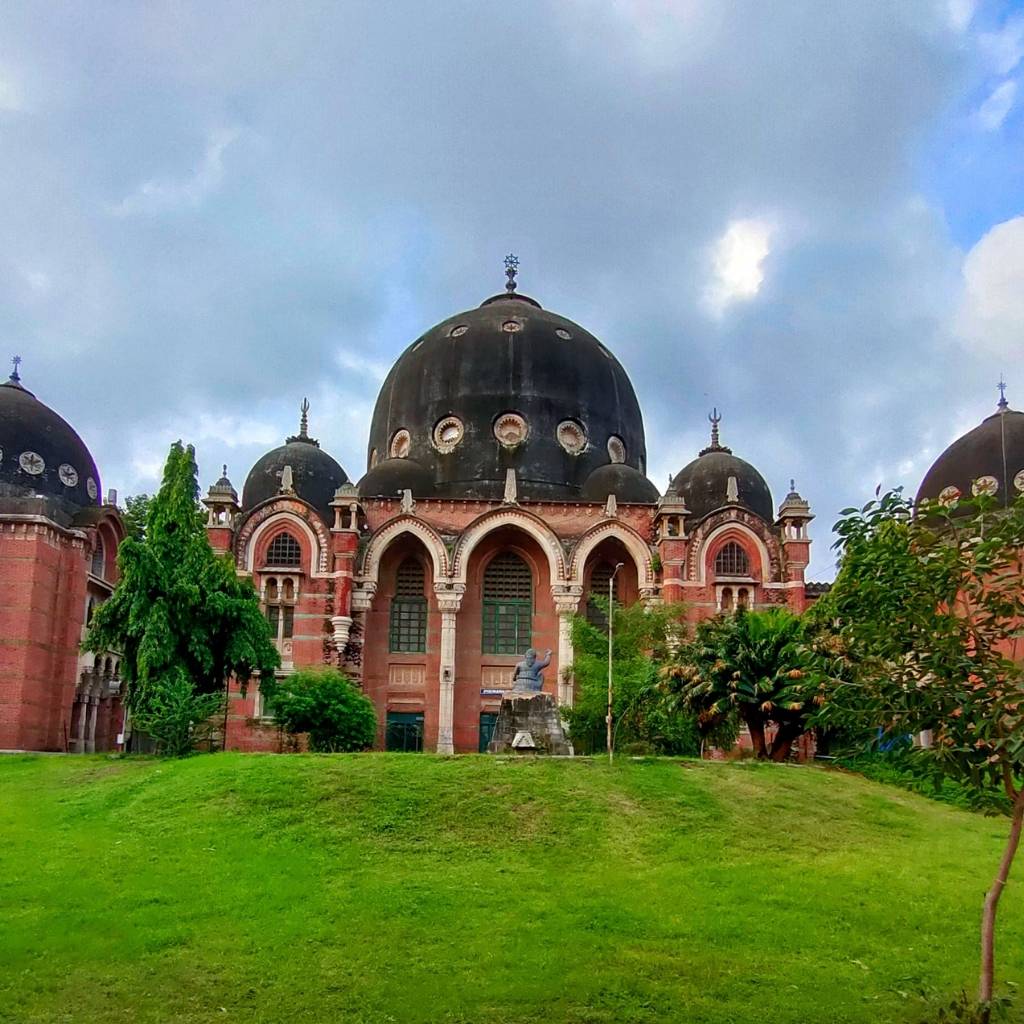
<point x="534" y="719"/>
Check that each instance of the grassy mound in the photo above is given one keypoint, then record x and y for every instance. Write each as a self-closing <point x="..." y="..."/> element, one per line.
<point x="411" y="888"/>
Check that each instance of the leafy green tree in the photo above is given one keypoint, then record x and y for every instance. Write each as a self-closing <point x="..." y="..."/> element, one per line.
<point x="929" y="604"/>
<point x="326" y="704"/>
<point x="180" y="615"/>
<point x="642" y="639"/>
<point x="755" y="666"/>
<point x="134" y="514"/>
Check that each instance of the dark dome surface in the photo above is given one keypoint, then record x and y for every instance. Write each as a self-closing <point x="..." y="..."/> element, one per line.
<point x="993" y="448"/>
<point x="704" y="483"/>
<point x="626" y="483"/>
<point x="40" y="453"/>
<point x="315" y="475"/>
<point x="391" y="476"/>
<point x="508" y="358"/>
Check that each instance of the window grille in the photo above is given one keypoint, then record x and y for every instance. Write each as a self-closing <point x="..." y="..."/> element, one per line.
<point x="732" y="561"/>
<point x="408" y="628"/>
<point x="98" y="560"/>
<point x="507" y="605"/>
<point x="284" y="550"/>
<point x="599" y="578"/>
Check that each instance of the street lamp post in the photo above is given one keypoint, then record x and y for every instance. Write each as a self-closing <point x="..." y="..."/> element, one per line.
<point x="611" y="629"/>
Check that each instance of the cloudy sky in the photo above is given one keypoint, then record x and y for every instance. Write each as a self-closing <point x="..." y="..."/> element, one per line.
<point x="810" y="214"/>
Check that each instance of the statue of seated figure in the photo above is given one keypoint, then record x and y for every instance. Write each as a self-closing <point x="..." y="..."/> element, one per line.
<point x="529" y="673"/>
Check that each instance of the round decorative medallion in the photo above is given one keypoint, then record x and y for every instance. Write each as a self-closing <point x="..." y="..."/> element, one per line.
<point x="90" y="486"/>
<point x="571" y="436"/>
<point x="448" y="433"/>
<point x="400" y="444"/>
<point x="458" y="331"/>
<point x="1018" y="480"/>
<point x="511" y="326"/>
<point x="987" y="485"/>
<point x="562" y="333"/>
<point x="31" y="462"/>
<point x="510" y="429"/>
<point x="68" y="475"/>
<point x="949" y="496"/>
<point x="616" y="449"/>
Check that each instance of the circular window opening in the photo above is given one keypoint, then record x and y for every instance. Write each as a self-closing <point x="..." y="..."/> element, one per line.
<point x="90" y="486"/>
<point x="949" y="495"/>
<point x="616" y="449"/>
<point x="571" y="436"/>
<point x="510" y="429"/>
<point x="400" y="444"/>
<point x="458" y="331"/>
<point x="987" y="485"/>
<point x="31" y="462"/>
<point x="512" y="326"/>
<point x="562" y="333"/>
<point x="68" y="475"/>
<point x="448" y="433"/>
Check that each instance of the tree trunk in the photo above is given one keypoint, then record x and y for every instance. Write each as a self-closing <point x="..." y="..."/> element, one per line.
<point x="784" y="740"/>
<point x="755" y="726"/>
<point x="988" y="917"/>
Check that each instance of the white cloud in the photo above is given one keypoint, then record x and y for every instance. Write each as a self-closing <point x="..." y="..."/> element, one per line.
<point x="960" y="13"/>
<point x="1005" y="48"/>
<point x="361" y="365"/>
<point x="991" y="316"/>
<point x="993" y="111"/>
<point x="737" y="259"/>
<point x="157" y="196"/>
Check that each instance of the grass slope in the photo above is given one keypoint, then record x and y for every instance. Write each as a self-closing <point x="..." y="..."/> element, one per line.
<point x="411" y="888"/>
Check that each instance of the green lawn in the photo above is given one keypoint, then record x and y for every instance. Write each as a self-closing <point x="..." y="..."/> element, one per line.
<point x="401" y="888"/>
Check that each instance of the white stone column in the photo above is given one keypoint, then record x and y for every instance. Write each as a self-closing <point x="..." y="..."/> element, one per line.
<point x="83" y="715"/>
<point x="449" y="599"/>
<point x="567" y="602"/>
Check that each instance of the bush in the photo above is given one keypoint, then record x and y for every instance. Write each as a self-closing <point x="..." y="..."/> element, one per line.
<point x="176" y="716"/>
<point x="326" y="704"/>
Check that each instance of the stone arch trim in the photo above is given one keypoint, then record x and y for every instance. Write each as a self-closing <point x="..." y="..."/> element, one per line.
<point x="630" y="539"/>
<point x="520" y="519"/>
<point x="710" y="532"/>
<point x="270" y="516"/>
<point x="390" y="532"/>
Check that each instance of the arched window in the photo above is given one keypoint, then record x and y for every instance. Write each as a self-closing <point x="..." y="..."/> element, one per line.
<point x="99" y="556"/>
<point x="732" y="561"/>
<point x="599" y="577"/>
<point x="408" y="632"/>
<point x="284" y="551"/>
<point x="507" y="605"/>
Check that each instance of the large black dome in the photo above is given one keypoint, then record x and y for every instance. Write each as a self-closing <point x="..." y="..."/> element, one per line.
<point x="40" y="453"/>
<point x="994" y="448"/>
<point x="560" y="400"/>
<point x="315" y="475"/>
<point x="704" y="484"/>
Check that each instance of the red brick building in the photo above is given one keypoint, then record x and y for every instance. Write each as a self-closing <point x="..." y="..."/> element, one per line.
<point x="57" y="562"/>
<point x="505" y="482"/>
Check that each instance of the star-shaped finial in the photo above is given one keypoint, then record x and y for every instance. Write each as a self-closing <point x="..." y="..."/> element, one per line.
<point x="1003" y="404"/>
<point x="511" y="266"/>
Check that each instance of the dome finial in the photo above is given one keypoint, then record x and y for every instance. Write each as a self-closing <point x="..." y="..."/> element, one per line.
<point x="304" y="418"/>
<point x="15" y="363"/>
<point x="511" y="266"/>
<point x="1003" y="404"/>
<point x="224" y="470"/>
<point x="714" y="418"/>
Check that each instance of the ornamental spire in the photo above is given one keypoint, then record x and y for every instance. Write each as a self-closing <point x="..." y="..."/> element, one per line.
<point x="1003" y="404"/>
<point x="304" y="418"/>
<point x="714" y="418"/>
<point x="511" y="266"/>
<point x="15" y="363"/>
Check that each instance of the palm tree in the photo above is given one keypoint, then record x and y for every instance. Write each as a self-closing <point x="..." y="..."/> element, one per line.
<point x="753" y="664"/>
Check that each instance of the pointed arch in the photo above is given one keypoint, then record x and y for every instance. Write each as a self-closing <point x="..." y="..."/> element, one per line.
<point x="391" y="531"/>
<point x="637" y="547"/>
<point x="520" y="519"/>
<point x="737" y="533"/>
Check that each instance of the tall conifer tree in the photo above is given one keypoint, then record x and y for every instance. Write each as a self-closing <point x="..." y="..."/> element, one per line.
<point x="182" y="619"/>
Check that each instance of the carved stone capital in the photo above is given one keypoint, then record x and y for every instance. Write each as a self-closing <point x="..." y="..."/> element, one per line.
<point x="362" y="596"/>
<point x="449" y="596"/>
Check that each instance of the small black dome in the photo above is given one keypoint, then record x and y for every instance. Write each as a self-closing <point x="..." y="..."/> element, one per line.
<point x="625" y="482"/>
<point x="40" y="453"/>
<point x="560" y="401"/>
<point x="705" y="483"/>
<point x="390" y="477"/>
<point x="315" y="475"/>
<point x="994" y="448"/>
